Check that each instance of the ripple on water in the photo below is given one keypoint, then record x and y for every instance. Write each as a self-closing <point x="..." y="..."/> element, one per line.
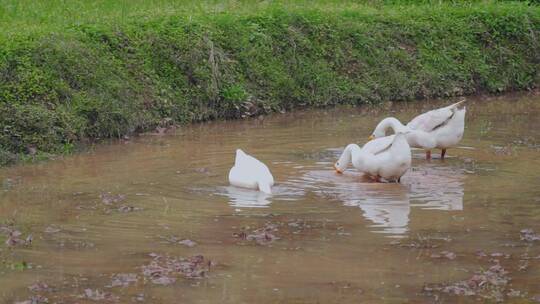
<point x="385" y="205"/>
<point x="85" y="240"/>
<point x="249" y="198"/>
<point x="388" y="206"/>
<point x="436" y="187"/>
<point x="430" y="186"/>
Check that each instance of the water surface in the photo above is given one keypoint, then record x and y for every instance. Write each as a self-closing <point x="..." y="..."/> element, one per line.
<point x="331" y="238"/>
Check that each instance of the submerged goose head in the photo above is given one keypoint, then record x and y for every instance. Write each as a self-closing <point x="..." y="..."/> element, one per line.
<point x="249" y="172"/>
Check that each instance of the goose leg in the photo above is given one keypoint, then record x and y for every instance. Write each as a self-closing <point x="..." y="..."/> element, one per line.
<point x="428" y="154"/>
<point x="443" y="152"/>
<point x="399" y="180"/>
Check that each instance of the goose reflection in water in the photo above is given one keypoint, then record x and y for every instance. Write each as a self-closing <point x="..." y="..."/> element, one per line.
<point x="388" y="206"/>
<point x="385" y="205"/>
<point x="247" y="198"/>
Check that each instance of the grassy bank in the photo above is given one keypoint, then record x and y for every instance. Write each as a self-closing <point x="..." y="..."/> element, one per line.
<point x="76" y="71"/>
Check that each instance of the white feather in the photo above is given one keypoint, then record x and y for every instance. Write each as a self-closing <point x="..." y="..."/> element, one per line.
<point x="249" y="172"/>
<point x="441" y="128"/>
<point x="388" y="157"/>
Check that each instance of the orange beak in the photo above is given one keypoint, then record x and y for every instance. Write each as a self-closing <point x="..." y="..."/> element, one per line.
<point x="337" y="170"/>
<point x="371" y="137"/>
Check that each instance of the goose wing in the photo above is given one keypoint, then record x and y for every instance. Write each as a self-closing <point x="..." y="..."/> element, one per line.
<point x="378" y="145"/>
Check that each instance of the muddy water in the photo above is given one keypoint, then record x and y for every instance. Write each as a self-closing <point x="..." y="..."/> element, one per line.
<point x="449" y="232"/>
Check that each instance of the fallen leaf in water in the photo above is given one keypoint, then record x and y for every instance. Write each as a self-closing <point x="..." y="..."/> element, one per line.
<point x="504" y="150"/>
<point x="126" y="209"/>
<point x="188" y="243"/>
<point x="14" y="236"/>
<point x="294" y="224"/>
<point x="176" y="240"/>
<point x="163" y="280"/>
<point x="481" y="254"/>
<point x="500" y="254"/>
<point x="528" y="235"/>
<point x="419" y="245"/>
<point x="97" y="295"/>
<point x="109" y="198"/>
<point x="163" y="270"/>
<point x="202" y="170"/>
<point x="37" y="299"/>
<point x="523" y="265"/>
<point x="123" y="279"/>
<point x="94" y="295"/>
<point x="526" y="256"/>
<point x="515" y="294"/>
<point x="15" y="233"/>
<point x="240" y="235"/>
<point x="262" y="236"/>
<point x="51" y="229"/>
<point x="489" y="284"/>
<point x="138" y="298"/>
<point x="444" y="254"/>
<point x="39" y="287"/>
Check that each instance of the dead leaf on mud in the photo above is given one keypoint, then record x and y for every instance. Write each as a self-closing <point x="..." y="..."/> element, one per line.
<point x="415" y="245"/>
<point x="138" y="298"/>
<point x="528" y="235"/>
<point x="262" y="236"/>
<point x="39" y="287"/>
<point x="504" y="150"/>
<point x="97" y="295"/>
<point x="123" y="279"/>
<point x="109" y="198"/>
<point x="164" y="270"/>
<point x="444" y="255"/>
<point x="37" y="299"/>
<point x="515" y="294"/>
<point x="126" y="209"/>
<point x="500" y="255"/>
<point x="523" y="265"/>
<point x="188" y="243"/>
<point x="489" y="284"/>
<point x="481" y="254"/>
<point x="526" y="256"/>
<point x="202" y="170"/>
<point x="14" y="236"/>
<point x="52" y="229"/>
<point x="177" y="240"/>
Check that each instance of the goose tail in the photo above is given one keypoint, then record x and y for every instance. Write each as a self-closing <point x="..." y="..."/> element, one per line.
<point x="458" y="104"/>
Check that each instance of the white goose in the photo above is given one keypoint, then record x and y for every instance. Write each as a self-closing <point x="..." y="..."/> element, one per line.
<point x="387" y="157"/>
<point x="441" y="128"/>
<point x="249" y="172"/>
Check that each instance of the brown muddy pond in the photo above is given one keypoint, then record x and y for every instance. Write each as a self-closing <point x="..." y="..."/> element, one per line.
<point x="153" y="220"/>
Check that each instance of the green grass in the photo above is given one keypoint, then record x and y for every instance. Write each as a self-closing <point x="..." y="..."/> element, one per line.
<point x="46" y="16"/>
<point x="71" y="71"/>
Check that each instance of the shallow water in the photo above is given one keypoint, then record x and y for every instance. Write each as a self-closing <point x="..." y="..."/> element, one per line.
<point x="329" y="238"/>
